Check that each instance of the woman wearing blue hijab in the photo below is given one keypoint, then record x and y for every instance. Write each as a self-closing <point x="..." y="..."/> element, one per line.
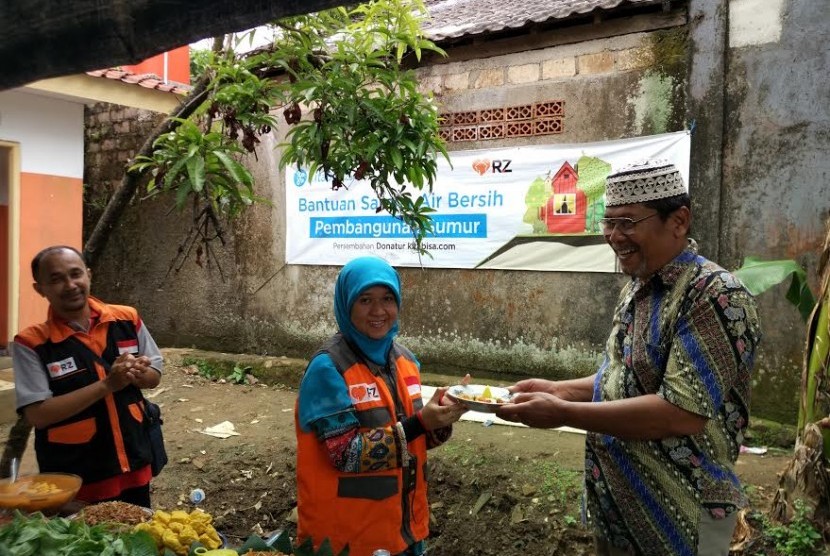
<point x="363" y="428"/>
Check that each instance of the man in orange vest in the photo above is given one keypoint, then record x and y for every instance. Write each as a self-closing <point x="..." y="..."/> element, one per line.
<point x="78" y="379"/>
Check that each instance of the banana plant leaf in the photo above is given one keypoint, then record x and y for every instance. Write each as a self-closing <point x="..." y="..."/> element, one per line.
<point x="758" y="276"/>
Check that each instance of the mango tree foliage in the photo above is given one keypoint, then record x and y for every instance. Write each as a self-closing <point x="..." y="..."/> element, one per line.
<point x="338" y="79"/>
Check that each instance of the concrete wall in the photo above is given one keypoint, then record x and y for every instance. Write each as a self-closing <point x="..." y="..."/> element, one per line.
<point x="618" y="79"/>
<point x="776" y="175"/>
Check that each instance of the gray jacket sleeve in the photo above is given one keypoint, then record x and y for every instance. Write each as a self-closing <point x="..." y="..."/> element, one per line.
<point x="147" y="346"/>
<point x="31" y="385"/>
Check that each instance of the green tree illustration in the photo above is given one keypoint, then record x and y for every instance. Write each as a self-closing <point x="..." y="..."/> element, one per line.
<point x="591" y="173"/>
<point x="536" y="197"/>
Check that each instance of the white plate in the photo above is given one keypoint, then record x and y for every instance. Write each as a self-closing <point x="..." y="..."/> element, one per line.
<point x="465" y="394"/>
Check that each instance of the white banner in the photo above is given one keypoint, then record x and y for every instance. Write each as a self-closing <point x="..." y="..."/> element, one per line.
<point x="521" y="208"/>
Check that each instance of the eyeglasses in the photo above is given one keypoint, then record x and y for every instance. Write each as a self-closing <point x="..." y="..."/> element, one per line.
<point x="624" y="225"/>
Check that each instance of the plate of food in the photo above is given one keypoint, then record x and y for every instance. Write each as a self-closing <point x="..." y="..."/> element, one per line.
<point x="116" y="514"/>
<point x="41" y="492"/>
<point x="480" y="397"/>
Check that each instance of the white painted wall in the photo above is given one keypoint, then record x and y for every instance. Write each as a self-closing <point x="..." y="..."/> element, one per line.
<point x="50" y="133"/>
<point x="755" y="22"/>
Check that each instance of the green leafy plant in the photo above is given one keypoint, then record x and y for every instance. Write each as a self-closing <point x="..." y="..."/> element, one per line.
<point x="36" y="535"/>
<point x="204" y="368"/>
<point x="238" y="374"/>
<point x="799" y="537"/>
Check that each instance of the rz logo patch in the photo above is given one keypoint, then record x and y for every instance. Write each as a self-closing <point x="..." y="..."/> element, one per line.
<point x="63" y="367"/>
<point x="360" y="393"/>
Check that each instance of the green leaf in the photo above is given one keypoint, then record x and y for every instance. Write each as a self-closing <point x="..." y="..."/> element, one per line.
<point x="283" y="543"/>
<point x="254" y="543"/>
<point x="196" y="172"/>
<point x="758" y="276"/>
<point x="397" y="159"/>
<point x="182" y="193"/>
<point x="235" y="169"/>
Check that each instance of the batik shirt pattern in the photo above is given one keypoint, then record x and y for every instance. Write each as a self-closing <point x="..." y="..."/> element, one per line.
<point x="688" y="334"/>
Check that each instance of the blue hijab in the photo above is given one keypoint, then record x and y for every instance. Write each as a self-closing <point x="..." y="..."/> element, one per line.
<point x="356" y="277"/>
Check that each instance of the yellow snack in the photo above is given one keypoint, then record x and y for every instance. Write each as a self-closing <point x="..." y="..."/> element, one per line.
<point x="178" y="530"/>
<point x="161" y="516"/>
<point x="486" y="393"/>
<point x="171" y="541"/>
<point x="176" y="526"/>
<point x="210" y="542"/>
<point x="180" y="516"/>
<point x="188" y="535"/>
<point x="200" y="516"/>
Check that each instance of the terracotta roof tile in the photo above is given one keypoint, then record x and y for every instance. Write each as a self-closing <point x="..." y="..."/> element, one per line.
<point x="147" y="80"/>
<point x="458" y="18"/>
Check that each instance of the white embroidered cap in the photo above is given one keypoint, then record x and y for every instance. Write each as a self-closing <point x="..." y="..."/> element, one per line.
<point x="643" y="181"/>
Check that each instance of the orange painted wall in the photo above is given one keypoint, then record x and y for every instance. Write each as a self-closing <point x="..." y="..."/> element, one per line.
<point x="4" y="273"/>
<point x="178" y="65"/>
<point x="51" y="213"/>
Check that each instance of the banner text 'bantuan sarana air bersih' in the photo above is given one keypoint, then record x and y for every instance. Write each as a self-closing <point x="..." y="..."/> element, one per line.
<point x="521" y="208"/>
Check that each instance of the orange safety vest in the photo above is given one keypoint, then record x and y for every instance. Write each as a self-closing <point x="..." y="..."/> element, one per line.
<point x="108" y="438"/>
<point x="367" y="511"/>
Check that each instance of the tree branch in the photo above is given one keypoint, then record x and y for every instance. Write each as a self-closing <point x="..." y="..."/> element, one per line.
<point x="122" y="196"/>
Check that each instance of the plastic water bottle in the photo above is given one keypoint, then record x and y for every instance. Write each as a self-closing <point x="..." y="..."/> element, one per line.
<point x="197" y="495"/>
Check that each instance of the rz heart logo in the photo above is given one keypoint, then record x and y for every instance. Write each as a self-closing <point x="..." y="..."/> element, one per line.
<point x="481" y="166"/>
<point x="364" y="393"/>
<point x="358" y="392"/>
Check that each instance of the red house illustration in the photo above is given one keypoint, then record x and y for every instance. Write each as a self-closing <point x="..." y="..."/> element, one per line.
<point x="564" y="213"/>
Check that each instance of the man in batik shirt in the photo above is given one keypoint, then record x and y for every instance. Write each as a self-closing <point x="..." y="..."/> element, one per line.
<point x="667" y="410"/>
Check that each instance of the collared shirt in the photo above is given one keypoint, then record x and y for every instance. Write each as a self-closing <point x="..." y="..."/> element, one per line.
<point x="687" y="334"/>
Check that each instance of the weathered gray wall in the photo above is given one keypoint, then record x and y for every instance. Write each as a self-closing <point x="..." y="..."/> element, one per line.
<point x="628" y="84"/>
<point x="776" y="174"/>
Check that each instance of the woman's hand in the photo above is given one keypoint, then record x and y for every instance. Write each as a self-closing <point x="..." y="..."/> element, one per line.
<point x="441" y="411"/>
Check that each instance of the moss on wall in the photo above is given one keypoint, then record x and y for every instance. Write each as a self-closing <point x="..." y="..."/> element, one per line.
<point x="659" y="102"/>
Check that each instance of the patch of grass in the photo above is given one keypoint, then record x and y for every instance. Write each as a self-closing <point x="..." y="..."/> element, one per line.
<point x="274" y="371"/>
<point x="206" y="369"/>
<point x="463" y="453"/>
<point x="214" y="370"/>
<point x="563" y="485"/>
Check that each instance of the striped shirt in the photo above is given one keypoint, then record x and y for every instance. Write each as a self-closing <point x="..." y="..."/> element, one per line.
<point x="687" y="334"/>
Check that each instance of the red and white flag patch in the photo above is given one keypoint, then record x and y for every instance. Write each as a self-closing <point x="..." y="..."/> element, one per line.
<point x="63" y="367"/>
<point x="127" y="346"/>
<point x="412" y="385"/>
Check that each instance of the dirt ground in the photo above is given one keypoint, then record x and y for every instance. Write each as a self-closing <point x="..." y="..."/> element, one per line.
<point x="493" y="489"/>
